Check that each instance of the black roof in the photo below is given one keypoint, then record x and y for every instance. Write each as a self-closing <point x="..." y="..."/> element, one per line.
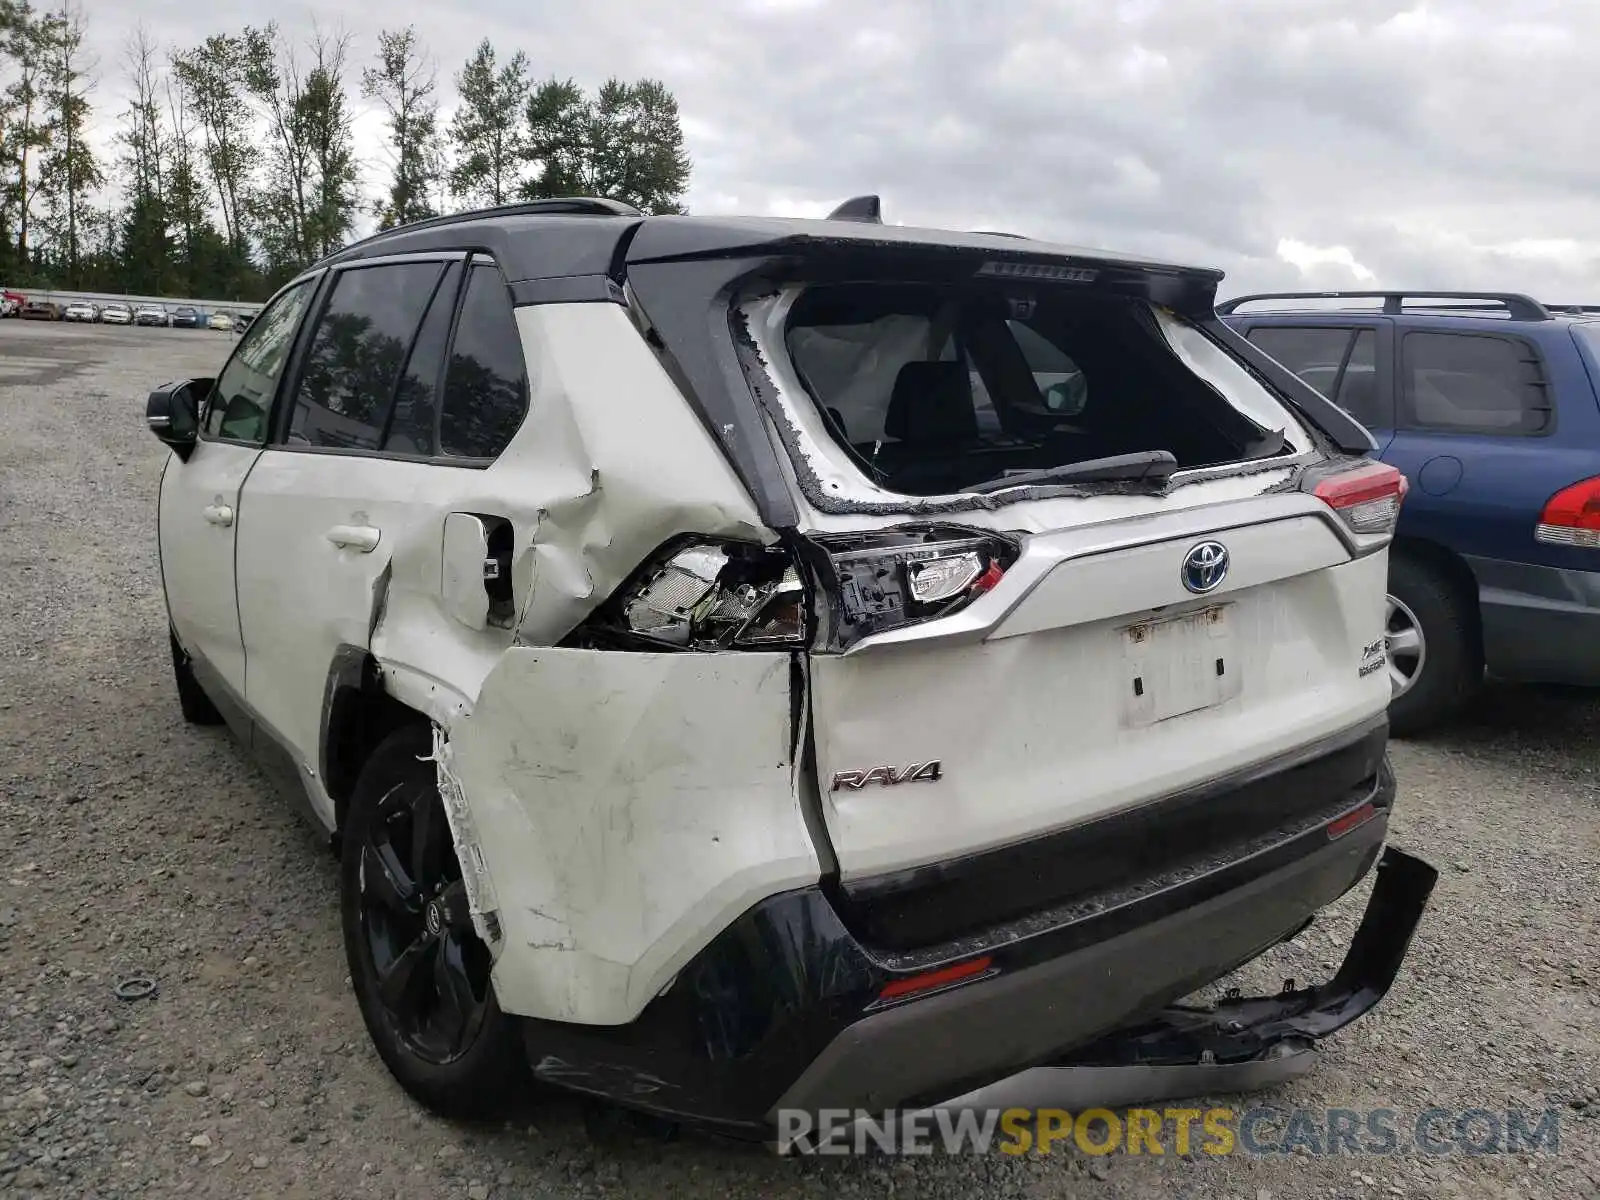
<point x="579" y="236"/>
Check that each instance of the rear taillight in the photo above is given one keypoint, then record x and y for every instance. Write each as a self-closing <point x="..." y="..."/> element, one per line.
<point x="1572" y="517"/>
<point x="703" y="594"/>
<point x="882" y="581"/>
<point x="1366" y="497"/>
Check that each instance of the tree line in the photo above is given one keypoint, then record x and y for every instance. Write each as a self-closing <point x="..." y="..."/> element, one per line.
<point x="234" y="162"/>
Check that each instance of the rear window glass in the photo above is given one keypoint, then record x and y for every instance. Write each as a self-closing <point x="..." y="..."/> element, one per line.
<point x="935" y="389"/>
<point x="1470" y="383"/>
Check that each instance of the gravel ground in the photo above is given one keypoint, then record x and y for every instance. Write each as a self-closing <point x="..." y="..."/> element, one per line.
<point x="130" y="842"/>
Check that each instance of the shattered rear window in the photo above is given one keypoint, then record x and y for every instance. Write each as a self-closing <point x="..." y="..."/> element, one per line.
<point x="934" y="389"/>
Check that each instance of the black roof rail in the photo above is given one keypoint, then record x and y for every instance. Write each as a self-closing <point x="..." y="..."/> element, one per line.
<point x="1518" y="306"/>
<point x="867" y="209"/>
<point x="1002" y="233"/>
<point x="556" y="206"/>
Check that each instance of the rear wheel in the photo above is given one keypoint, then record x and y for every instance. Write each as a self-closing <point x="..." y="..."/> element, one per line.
<point x="420" y="971"/>
<point x="1434" y="663"/>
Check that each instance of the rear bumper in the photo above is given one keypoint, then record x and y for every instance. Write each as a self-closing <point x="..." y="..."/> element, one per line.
<point x="1540" y="624"/>
<point x="783" y="1009"/>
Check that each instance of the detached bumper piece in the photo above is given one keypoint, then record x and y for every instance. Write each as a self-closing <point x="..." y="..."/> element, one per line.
<point x="1243" y="1043"/>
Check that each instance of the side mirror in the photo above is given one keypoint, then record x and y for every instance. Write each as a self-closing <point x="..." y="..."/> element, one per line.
<point x="173" y="414"/>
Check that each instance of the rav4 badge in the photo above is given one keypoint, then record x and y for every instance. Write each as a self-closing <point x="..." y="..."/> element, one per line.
<point x="925" y="772"/>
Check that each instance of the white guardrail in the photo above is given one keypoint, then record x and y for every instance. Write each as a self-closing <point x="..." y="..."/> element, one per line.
<point x="204" y="307"/>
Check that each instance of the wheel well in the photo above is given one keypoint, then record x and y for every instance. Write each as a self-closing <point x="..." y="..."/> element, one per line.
<point x="1444" y="563"/>
<point x="358" y="716"/>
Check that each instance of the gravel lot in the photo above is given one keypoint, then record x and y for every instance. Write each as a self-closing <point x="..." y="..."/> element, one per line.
<point x="130" y="842"/>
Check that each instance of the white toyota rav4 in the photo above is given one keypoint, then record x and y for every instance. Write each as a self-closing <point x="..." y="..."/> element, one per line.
<point x="752" y="665"/>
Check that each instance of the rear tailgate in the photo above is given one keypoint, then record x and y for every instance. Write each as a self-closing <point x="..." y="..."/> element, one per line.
<point x="1091" y="680"/>
<point x="1068" y="672"/>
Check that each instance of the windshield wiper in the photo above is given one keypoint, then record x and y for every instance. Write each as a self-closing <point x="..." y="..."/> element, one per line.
<point x="1147" y="466"/>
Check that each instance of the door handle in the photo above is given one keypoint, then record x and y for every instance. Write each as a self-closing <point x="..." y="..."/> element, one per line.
<point x="219" y="514"/>
<point x="354" y="537"/>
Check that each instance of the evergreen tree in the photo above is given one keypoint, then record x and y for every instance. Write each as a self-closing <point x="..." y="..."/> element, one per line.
<point x="404" y="83"/>
<point x="68" y="170"/>
<point x="625" y="143"/>
<point x="488" y="131"/>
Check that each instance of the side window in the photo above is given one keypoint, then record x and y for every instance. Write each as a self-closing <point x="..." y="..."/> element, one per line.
<point x="1063" y="388"/>
<point x="1313" y="354"/>
<point x="1326" y="359"/>
<point x="1472" y="383"/>
<point x="1358" y="386"/>
<point x="414" y="424"/>
<point x="486" y="382"/>
<point x="241" y="400"/>
<point x="342" y="397"/>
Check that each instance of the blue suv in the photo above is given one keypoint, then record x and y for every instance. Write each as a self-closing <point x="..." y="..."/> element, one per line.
<point x="1489" y="403"/>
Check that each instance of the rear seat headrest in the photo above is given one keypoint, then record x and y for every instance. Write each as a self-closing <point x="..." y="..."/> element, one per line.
<point x="931" y="401"/>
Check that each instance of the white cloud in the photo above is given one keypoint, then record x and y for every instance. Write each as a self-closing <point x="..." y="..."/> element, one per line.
<point x="1446" y="143"/>
<point x="1311" y="258"/>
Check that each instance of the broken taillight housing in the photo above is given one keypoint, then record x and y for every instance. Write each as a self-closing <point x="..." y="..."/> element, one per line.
<point x="1366" y="497"/>
<point x="708" y="595"/>
<point x="877" y="582"/>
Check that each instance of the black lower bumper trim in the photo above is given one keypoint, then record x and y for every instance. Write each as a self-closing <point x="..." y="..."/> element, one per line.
<point x="1220" y="819"/>
<point x="1240" y="1044"/>
<point x="1245" y="1029"/>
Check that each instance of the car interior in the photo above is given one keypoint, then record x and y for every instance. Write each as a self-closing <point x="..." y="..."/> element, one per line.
<point x="935" y="389"/>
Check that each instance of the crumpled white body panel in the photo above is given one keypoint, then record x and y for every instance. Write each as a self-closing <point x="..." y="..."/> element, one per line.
<point x="628" y="807"/>
<point x="624" y="807"/>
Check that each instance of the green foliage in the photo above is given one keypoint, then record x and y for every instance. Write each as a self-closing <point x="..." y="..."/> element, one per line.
<point x="623" y="143"/>
<point x="403" y="82"/>
<point x="233" y="164"/>
<point x="487" y="133"/>
<point x="68" y="169"/>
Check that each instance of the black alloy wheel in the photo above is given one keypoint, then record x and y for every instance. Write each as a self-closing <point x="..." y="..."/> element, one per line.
<point x="420" y="971"/>
<point x="432" y="968"/>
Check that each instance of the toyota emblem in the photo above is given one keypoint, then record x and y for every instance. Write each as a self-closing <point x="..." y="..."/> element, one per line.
<point x="1205" y="566"/>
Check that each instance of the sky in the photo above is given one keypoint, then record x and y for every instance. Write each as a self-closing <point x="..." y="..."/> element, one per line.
<point x="1293" y="143"/>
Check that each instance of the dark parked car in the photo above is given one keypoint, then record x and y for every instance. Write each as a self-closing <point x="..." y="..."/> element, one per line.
<point x="184" y="317"/>
<point x="1488" y="404"/>
<point x="40" y="310"/>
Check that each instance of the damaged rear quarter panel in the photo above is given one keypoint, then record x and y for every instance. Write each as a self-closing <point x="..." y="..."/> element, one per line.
<point x="609" y="464"/>
<point x="628" y="806"/>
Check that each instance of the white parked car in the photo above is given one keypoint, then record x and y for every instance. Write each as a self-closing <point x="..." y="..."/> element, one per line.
<point x="736" y="688"/>
<point x="151" y="314"/>
<point x="116" y="313"/>
<point x="80" y="310"/>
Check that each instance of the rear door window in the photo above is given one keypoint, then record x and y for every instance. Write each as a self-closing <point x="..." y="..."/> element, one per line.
<point x="1472" y="383"/>
<point x="414" y="422"/>
<point x="342" y="398"/>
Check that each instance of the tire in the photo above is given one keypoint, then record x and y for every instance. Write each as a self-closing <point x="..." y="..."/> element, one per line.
<point x="192" y="700"/>
<point x="1448" y="663"/>
<point x="410" y="945"/>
